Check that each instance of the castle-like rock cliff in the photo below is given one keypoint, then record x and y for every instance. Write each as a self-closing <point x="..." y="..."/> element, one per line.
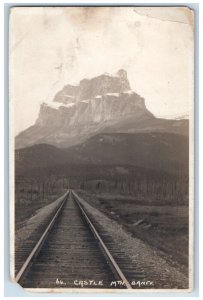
<point x="102" y="104"/>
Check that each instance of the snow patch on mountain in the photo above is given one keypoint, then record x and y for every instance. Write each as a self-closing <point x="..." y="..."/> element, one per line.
<point x="57" y="105"/>
<point x="112" y="94"/>
<point x="129" y="92"/>
<point x="85" y="101"/>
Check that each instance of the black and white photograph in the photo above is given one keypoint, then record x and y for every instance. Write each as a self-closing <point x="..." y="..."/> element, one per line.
<point x="101" y="103"/>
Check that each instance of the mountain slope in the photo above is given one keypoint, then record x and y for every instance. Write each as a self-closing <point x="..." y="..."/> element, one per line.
<point x="156" y="151"/>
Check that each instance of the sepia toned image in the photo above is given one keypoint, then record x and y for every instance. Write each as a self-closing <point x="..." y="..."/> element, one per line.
<point x="101" y="148"/>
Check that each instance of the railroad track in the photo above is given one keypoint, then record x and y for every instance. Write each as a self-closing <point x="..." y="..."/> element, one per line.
<point x="70" y="253"/>
<point x="133" y="271"/>
<point x="25" y="254"/>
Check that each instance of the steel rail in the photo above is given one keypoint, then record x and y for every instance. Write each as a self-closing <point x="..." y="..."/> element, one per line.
<point x="41" y="241"/>
<point x="115" y="268"/>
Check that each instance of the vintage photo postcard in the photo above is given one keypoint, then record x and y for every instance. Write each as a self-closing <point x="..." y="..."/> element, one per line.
<point x="101" y="148"/>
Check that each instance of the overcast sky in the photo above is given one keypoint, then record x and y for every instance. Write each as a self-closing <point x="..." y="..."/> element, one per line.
<point x="50" y="47"/>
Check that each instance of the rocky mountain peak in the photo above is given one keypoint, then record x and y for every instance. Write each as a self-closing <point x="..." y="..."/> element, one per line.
<point x="90" y="88"/>
<point x="101" y="104"/>
<point x="122" y="74"/>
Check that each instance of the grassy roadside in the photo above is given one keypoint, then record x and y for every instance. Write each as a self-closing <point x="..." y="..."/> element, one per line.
<point x="163" y="227"/>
